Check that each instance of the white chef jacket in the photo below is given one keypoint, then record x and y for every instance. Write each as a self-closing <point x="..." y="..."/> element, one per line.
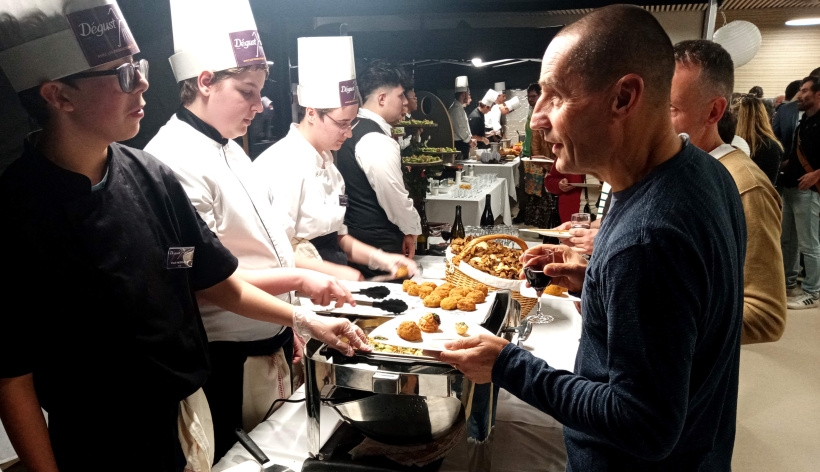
<point x="461" y="126"/>
<point x="306" y="182"/>
<point x="492" y="120"/>
<point x="237" y="207"/>
<point x="378" y="156"/>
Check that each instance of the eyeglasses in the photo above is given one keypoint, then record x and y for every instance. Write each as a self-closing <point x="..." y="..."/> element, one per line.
<point x="344" y="128"/>
<point x="126" y="74"/>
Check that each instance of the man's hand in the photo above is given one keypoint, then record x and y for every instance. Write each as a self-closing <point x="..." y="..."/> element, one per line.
<point x="298" y="348"/>
<point x="338" y="333"/>
<point x="807" y="181"/>
<point x="409" y="245"/>
<point x="563" y="226"/>
<point x="568" y="270"/>
<point x="324" y="289"/>
<point x="473" y="356"/>
<point x="564" y="185"/>
<point x="582" y="240"/>
<point x="390" y="262"/>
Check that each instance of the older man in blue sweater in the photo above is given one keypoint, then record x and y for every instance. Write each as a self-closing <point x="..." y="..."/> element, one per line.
<point x="656" y="375"/>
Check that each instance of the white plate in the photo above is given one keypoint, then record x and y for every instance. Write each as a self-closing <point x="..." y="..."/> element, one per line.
<point x="538" y="159"/>
<point x="587" y="185"/>
<point x="530" y="292"/>
<point x="430" y="341"/>
<point x="552" y="233"/>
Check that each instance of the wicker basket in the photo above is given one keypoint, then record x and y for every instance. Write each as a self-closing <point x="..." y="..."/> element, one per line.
<point x="455" y="276"/>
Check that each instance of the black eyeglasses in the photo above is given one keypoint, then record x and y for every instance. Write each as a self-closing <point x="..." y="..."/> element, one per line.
<point x="126" y="74"/>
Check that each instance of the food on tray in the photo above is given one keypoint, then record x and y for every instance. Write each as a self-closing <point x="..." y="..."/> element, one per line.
<point x="424" y="291"/>
<point x="449" y="303"/>
<point x="466" y="186"/>
<point x="489" y="257"/>
<point x="459" y="292"/>
<point x="465" y="304"/>
<point x="442" y="292"/>
<point x="461" y="328"/>
<point x="415" y="122"/>
<point x="446" y="285"/>
<point x="429" y="323"/>
<point x="380" y="338"/>
<point x="440" y="149"/>
<point x="477" y="296"/>
<point x="429" y="284"/>
<point x="422" y="159"/>
<point x="402" y="272"/>
<point x="407" y="284"/>
<point x="433" y="300"/>
<point x="381" y="347"/>
<point x="555" y="291"/>
<point x="409" y="331"/>
<point x="413" y="290"/>
<point x="482" y="288"/>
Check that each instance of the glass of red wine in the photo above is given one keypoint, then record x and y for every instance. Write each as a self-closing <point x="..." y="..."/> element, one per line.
<point x="538" y="280"/>
<point x="446" y="232"/>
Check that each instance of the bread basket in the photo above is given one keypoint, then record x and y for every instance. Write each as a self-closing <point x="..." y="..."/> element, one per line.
<point x="458" y="277"/>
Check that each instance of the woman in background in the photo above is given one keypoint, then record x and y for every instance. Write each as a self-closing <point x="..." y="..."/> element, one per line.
<point x="753" y="125"/>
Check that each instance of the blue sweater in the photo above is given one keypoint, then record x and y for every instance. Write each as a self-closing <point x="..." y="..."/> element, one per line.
<point x="655" y="382"/>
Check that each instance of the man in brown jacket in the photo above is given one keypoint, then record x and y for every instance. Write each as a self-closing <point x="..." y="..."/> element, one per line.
<point x="701" y="87"/>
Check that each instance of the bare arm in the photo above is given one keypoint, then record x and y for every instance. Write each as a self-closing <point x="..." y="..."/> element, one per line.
<point x="321" y="288"/>
<point x="339" y="271"/>
<point x="25" y="424"/>
<point x="362" y="253"/>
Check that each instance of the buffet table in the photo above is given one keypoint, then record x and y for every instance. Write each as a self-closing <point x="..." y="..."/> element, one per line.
<point x="524" y="439"/>
<point x="507" y="171"/>
<point x="442" y="207"/>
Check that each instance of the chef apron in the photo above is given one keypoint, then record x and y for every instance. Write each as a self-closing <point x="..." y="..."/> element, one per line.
<point x="328" y="247"/>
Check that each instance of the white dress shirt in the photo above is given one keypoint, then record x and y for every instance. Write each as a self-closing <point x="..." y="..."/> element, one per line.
<point x="236" y="206"/>
<point x="379" y="157"/>
<point x="461" y="125"/>
<point x="492" y="120"/>
<point x="306" y="182"/>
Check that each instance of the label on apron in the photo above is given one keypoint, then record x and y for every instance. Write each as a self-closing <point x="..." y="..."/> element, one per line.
<point x="180" y="258"/>
<point x="343" y="200"/>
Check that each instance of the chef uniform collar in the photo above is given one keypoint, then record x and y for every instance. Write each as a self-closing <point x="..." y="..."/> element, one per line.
<point x="213" y="35"/>
<point x="327" y="72"/>
<point x="489" y="98"/>
<point x="187" y="116"/>
<point x="58" y="38"/>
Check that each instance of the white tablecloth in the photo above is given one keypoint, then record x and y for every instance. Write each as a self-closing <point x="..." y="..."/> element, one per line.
<point x="442" y="208"/>
<point x="524" y="439"/>
<point x="507" y="171"/>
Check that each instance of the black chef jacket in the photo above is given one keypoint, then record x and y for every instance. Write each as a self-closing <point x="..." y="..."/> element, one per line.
<point x="809" y="132"/>
<point x="476" y="120"/>
<point x="100" y="305"/>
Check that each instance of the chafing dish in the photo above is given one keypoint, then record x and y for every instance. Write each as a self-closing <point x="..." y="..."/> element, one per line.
<point x="403" y="399"/>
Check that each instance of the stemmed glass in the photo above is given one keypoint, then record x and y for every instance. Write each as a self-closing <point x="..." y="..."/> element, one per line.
<point x="538" y="280"/>
<point x="446" y="232"/>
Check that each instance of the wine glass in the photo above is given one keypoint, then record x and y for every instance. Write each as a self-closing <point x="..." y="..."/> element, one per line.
<point x="538" y="280"/>
<point x="446" y="232"/>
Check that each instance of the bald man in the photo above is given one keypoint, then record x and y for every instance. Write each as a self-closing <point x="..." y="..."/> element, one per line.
<point x="656" y="374"/>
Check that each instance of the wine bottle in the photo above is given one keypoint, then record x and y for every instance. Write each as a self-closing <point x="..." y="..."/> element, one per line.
<point x="487" y="219"/>
<point x="458" y="226"/>
<point x="421" y="241"/>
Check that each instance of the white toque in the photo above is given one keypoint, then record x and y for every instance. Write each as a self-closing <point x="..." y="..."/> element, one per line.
<point x="513" y="103"/>
<point x="462" y="85"/>
<point x="327" y="72"/>
<point x="500" y="87"/>
<point x="489" y="98"/>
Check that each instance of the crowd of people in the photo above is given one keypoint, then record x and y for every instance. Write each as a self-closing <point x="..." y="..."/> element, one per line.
<point x="171" y="272"/>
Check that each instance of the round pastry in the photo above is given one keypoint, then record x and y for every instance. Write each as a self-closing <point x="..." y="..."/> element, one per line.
<point x="409" y="331"/>
<point x="555" y="290"/>
<point x="432" y="285"/>
<point x="459" y="292"/>
<point x="424" y="291"/>
<point x="432" y="300"/>
<point x="446" y="285"/>
<point x="449" y="303"/>
<point x="465" y="304"/>
<point x="413" y="290"/>
<point x="482" y="288"/>
<point x="406" y="284"/>
<point x="476" y="296"/>
<point x="429" y="323"/>
<point x="402" y="272"/>
<point x="444" y="292"/>
<point x="461" y="328"/>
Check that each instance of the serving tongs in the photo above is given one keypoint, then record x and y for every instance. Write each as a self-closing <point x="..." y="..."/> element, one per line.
<point x="391" y="305"/>
<point x="378" y="292"/>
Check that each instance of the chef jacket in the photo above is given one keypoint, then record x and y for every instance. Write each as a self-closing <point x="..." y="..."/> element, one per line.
<point x="492" y="120"/>
<point x="100" y="305"/>
<point x="458" y="116"/>
<point x="218" y="178"/>
<point x="477" y="126"/>
<point x="306" y="183"/>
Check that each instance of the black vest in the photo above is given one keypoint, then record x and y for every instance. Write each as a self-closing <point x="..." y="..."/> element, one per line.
<point x="363" y="212"/>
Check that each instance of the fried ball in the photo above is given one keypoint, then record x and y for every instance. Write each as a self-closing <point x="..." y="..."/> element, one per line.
<point x="446" y="285"/>
<point x="482" y="288"/>
<point x="555" y="290"/>
<point x="461" y="328"/>
<point x="465" y="304"/>
<point x="444" y="292"/>
<point x="402" y="272"/>
<point x="432" y="285"/>
<point x="476" y="296"/>
<point x="406" y="284"/>
<point x="432" y="300"/>
<point x="459" y="292"/>
<point x="413" y="290"/>
<point x="429" y="323"/>
<point x="449" y="303"/>
<point x="409" y="331"/>
<point x="424" y="291"/>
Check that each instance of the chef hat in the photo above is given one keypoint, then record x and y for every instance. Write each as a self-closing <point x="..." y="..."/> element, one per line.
<point x="327" y="72"/>
<point x="500" y="87"/>
<point x="461" y="84"/>
<point x="489" y="98"/>
<point x="213" y="35"/>
<point x="513" y="103"/>
<point x="52" y="39"/>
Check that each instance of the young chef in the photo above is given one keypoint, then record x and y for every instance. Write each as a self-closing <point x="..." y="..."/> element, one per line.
<point x="300" y="167"/>
<point x="462" y="138"/>
<point x="115" y="342"/>
<point x="221" y="67"/>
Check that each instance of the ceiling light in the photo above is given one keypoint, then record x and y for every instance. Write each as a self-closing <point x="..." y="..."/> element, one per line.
<point x="477" y="62"/>
<point x="803" y="22"/>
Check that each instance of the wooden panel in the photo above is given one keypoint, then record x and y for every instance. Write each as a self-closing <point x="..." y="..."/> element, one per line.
<point x="442" y="135"/>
